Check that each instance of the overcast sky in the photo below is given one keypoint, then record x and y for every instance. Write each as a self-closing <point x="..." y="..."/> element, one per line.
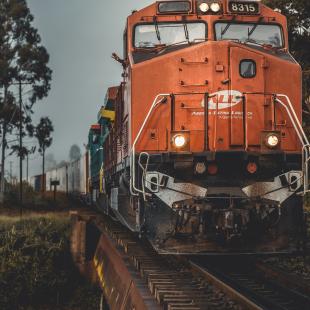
<point x="80" y="36"/>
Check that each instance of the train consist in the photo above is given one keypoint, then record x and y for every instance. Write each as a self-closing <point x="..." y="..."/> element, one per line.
<point x="71" y="178"/>
<point x="201" y="148"/>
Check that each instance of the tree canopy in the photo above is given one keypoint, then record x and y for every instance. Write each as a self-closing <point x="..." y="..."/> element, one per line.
<point x="24" y="74"/>
<point x="23" y="66"/>
<point x="22" y="57"/>
<point x="43" y="134"/>
<point x="298" y="15"/>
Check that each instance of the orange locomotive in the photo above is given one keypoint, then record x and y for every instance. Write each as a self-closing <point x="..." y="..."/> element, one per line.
<point x="207" y="152"/>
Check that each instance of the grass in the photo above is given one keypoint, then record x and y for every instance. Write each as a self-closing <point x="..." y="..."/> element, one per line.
<point x="52" y="216"/>
<point x="36" y="268"/>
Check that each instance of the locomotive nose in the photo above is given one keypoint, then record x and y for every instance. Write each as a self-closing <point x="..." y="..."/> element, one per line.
<point x="257" y="73"/>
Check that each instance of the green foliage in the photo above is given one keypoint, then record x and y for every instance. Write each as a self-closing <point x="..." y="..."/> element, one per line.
<point x="12" y="194"/>
<point x="43" y="134"/>
<point x="23" y="71"/>
<point x="23" y="58"/>
<point x="298" y="15"/>
<point x="36" y="269"/>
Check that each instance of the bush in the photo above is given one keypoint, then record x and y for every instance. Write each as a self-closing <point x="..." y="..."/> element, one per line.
<point x="36" y="267"/>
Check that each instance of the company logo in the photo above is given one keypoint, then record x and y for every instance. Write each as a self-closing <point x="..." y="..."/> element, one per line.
<point x="223" y="99"/>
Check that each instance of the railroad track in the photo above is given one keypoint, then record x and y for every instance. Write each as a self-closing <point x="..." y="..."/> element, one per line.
<point x="266" y="287"/>
<point x="178" y="283"/>
<point x="173" y="285"/>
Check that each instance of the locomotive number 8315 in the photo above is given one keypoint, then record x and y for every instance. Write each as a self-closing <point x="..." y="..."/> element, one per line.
<point x="201" y="145"/>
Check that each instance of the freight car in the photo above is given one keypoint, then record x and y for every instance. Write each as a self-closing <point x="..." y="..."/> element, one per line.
<point x="98" y="134"/>
<point x="37" y="182"/>
<point x="78" y="176"/>
<point x="60" y="175"/>
<point x="72" y="178"/>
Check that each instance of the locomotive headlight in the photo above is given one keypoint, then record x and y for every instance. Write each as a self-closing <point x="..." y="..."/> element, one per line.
<point x="215" y="7"/>
<point x="204" y="7"/>
<point x="179" y="141"/>
<point x="272" y="141"/>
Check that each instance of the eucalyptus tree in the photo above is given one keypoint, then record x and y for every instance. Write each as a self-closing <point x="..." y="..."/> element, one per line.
<point x="24" y="71"/>
<point x="43" y="133"/>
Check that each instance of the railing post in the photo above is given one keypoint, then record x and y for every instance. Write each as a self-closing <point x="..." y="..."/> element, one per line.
<point x="206" y="121"/>
<point x="172" y="96"/>
<point x="274" y="113"/>
<point x="244" y="112"/>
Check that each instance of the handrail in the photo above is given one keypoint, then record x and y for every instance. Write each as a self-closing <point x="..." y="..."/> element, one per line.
<point x="302" y="137"/>
<point x="133" y="189"/>
<point x="245" y="122"/>
<point x="289" y="110"/>
<point x="294" y="113"/>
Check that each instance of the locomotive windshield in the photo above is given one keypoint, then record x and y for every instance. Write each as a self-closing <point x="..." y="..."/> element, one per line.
<point x="152" y="35"/>
<point x="255" y="33"/>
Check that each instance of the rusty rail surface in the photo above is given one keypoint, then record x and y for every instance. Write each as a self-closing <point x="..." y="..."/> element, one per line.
<point x="263" y="286"/>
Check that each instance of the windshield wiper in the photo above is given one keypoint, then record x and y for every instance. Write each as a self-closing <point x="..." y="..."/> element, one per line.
<point x="223" y="31"/>
<point x="186" y="30"/>
<point x="250" y="32"/>
<point x="156" y="28"/>
<point x="254" y="27"/>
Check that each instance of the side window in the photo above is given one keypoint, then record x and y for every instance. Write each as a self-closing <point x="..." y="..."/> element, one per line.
<point x="125" y="42"/>
<point x="248" y="68"/>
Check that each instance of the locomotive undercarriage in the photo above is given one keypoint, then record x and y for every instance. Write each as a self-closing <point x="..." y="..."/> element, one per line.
<point x="225" y="222"/>
<point x="225" y="225"/>
<point x="214" y="214"/>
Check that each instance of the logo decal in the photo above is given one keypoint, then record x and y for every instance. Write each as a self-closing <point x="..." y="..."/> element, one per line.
<point x="223" y="99"/>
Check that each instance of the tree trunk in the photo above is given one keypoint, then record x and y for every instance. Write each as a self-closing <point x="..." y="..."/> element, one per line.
<point x="43" y="171"/>
<point x="20" y="148"/>
<point x="3" y="162"/>
<point x="4" y="129"/>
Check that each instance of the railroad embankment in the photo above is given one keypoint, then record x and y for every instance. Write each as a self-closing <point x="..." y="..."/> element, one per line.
<point x="36" y="270"/>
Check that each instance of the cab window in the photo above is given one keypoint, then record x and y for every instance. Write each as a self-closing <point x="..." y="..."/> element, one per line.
<point x="261" y="34"/>
<point x="176" y="33"/>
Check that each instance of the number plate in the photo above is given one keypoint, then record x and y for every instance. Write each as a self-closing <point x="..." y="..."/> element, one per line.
<point x="244" y="8"/>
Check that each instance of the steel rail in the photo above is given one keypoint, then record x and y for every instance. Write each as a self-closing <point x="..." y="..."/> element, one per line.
<point x="255" y="286"/>
<point x="227" y="289"/>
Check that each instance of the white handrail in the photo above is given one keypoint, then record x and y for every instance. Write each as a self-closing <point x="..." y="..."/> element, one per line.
<point x="296" y="117"/>
<point x="302" y="137"/>
<point x="133" y="189"/>
<point x="293" y="122"/>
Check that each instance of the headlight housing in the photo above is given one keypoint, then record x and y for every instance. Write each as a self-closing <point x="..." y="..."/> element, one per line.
<point x="208" y="7"/>
<point x="215" y="7"/>
<point x="272" y="140"/>
<point x="204" y="7"/>
<point x="179" y="141"/>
